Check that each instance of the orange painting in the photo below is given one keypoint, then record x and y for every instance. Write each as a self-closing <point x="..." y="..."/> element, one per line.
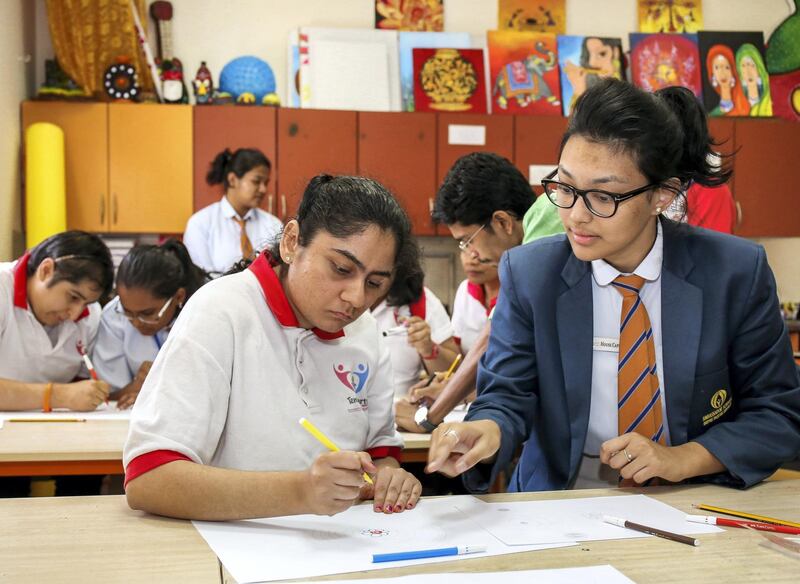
<point x="532" y="15"/>
<point x="413" y="15"/>
<point x="670" y="16"/>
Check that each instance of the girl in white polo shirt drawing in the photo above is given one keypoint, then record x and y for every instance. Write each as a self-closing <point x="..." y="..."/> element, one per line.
<point x="215" y="433"/>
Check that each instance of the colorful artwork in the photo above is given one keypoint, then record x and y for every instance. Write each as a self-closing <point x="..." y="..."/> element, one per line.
<point x="783" y="65"/>
<point x="670" y="16"/>
<point x="524" y="73"/>
<point x="663" y="60"/>
<point x="408" y="41"/>
<point x="735" y="78"/>
<point x="583" y="61"/>
<point x="449" y="80"/>
<point x="418" y="15"/>
<point x="532" y="15"/>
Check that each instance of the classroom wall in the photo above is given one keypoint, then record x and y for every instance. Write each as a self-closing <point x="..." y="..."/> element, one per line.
<point x="217" y="31"/>
<point x="16" y="41"/>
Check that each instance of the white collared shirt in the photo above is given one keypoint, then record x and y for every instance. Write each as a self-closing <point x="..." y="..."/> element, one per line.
<point x="607" y="306"/>
<point x="31" y="352"/>
<point x="406" y="364"/>
<point x="213" y="238"/>
<point x="470" y="314"/>
<point x="237" y="373"/>
<point x="121" y="349"/>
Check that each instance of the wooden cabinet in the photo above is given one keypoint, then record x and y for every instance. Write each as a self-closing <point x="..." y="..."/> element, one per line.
<point x="767" y="177"/>
<point x="150" y="167"/>
<point x="536" y="142"/>
<point x="220" y="127"/>
<point x="85" y="127"/>
<point x="499" y="138"/>
<point x="311" y="142"/>
<point x="399" y="150"/>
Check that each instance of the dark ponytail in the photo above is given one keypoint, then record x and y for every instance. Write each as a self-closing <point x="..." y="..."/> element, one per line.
<point x="239" y="163"/>
<point x="161" y="270"/>
<point x="408" y="283"/>
<point x="78" y="256"/>
<point x="665" y="132"/>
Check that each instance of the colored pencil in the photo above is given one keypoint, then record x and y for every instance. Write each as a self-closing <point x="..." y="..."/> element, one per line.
<point x="743" y="515"/>
<point x="759" y="525"/>
<point x="326" y="442"/>
<point x="652" y="530"/>
<point x="431" y="553"/>
<point x="37" y="420"/>
<point x="453" y="366"/>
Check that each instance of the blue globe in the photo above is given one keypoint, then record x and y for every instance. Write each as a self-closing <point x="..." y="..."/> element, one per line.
<point x="247" y="75"/>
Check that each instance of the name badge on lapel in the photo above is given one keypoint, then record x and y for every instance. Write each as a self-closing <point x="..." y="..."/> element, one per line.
<point x="605" y="344"/>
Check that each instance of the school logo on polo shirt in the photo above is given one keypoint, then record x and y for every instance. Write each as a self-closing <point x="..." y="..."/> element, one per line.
<point x="354" y="379"/>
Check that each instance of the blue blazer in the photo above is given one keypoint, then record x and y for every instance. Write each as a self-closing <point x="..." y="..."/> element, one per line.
<point x="722" y="330"/>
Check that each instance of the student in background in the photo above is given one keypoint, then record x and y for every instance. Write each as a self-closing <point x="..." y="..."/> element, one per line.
<point x="589" y="326"/>
<point x="215" y="433"/>
<point x="225" y="232"/>
<point x="48" y="315"/>
<point x="153" y="283"/>
<point x="427" y="344"/>
<point x="711" y="207"/>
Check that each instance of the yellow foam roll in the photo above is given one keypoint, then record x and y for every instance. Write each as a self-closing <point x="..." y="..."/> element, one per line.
<point x="45" y="183"/>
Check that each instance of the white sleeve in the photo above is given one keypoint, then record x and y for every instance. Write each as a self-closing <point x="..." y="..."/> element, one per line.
<point x="459" y="304"/>
<point x="437" y="319"/>
<point x="183" y="404"/>
<point x="196" y="240"/>
<point x="382" y="430"/>
<point x="108" y="355"/>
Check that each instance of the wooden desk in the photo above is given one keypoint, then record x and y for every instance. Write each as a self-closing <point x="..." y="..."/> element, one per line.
<point x="416" y="447"/>
<point x="98" y="539"/>
<point x="72" y="539"/>
<point x="62" y="448"/>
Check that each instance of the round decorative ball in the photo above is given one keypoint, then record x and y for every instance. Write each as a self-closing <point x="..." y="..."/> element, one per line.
<point x="247" y="75"/>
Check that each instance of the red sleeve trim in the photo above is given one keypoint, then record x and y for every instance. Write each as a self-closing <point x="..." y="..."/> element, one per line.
<point x="418" y="307"/>
<point x="147" y="462"/>
<point x="385" y="451"/>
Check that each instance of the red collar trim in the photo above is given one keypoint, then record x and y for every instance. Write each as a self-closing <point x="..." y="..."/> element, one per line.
<point x="21" y="286"/>
<point x="418" y="307"/>
<point x="262" y="268"/>
<point x="479" y="294"/>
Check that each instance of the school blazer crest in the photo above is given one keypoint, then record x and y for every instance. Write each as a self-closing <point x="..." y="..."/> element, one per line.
<point x="730" y="381"/>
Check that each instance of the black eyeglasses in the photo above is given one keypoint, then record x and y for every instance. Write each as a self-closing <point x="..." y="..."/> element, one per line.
<point x="600" y="203"/>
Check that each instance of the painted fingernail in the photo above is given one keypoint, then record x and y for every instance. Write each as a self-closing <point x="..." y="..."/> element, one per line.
<point x="398" y="508"/>
<point x="410" y="506"/>
<point x="378" y="508"/>
<point x="388" y="508"/>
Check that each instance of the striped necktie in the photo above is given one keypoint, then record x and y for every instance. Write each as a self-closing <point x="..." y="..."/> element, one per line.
<point x="638" y="392"/>
<point x="244" y="241"/>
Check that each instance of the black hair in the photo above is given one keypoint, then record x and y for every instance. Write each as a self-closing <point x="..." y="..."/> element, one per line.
<point x="161" y="270"/>
<point x="478" y="185"/>
<point x="408" y="283"/>
<point x="239" y="163"/>
<point x="666" y="132"/>
<point x="78" y="256"/>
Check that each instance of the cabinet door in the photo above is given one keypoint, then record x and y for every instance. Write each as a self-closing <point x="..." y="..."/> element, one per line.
<point x="767" y="176"/>
<point x="150" y="173"/>
<point x="85" y="127"/>
<point x="723" y="131"/>
<point x="399" y="150"/>
<point x="311" y="142"/>
<point x="460" y="134"/>
<point x="217" y="128"/>
<point x="536" y="143"/>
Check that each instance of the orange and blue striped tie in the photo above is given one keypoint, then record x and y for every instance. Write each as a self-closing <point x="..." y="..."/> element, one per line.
<point x="638" y="391"/>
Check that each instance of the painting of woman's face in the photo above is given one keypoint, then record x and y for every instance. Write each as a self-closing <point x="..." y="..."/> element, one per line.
<point x="722" y="72"/>
<point x="749" y="71"/>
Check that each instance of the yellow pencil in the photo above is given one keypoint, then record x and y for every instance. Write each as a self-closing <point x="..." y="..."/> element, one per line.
<point x="325" y="441"/>
<point x="37" y="420"/>
<point x="453" y="366"/>
<point x="744" y="515"/>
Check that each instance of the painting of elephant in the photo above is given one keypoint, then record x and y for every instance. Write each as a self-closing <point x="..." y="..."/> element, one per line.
<point x="524" y="80"/>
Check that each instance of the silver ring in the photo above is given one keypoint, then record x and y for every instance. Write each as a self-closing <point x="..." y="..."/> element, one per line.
<point x="451" y="432"/>
<point x="627" y="455"/>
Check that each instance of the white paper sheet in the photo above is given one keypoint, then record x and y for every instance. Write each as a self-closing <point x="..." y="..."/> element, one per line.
<point x="584" y="575"/>
<point x="464" y="135"/>
<point x="533" y="522"/>
<point x="107" y="411"/>
<point x="305" y="546"/>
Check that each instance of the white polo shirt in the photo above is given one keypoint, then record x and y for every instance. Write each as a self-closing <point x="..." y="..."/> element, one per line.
<point x="121" y="349"/>
<point x="237" y="373"/>
<point x="406" y="364"/>
<point x="34" y="353"/>
<point x="213" y="238"/>
<point x="470" y="313"/>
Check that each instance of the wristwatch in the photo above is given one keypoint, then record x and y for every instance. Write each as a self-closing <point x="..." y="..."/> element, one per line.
<point x="421" y="418"/>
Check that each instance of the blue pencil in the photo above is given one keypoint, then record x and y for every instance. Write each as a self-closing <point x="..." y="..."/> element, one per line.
<point x="433" y="553"/>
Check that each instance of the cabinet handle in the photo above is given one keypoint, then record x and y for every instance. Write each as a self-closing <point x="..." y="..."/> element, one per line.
<point x="283" y="207"/>
<point x="270" y="206"/>
<point x="739" y="214"/>
<point x="114" y="208"/>
<point x="102" y="210"/>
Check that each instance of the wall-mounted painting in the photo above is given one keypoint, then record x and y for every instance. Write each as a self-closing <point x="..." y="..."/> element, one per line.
<point x="664" y="60"/>
<point x="783" y="65"/>
<point x="524" y="73"/>
<point x="670" y="16"/>
<point x="418" y="15"/>
<point x="735" y="78"/>
<point x="583" y="61"/>
<point x="532" y="15"/>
